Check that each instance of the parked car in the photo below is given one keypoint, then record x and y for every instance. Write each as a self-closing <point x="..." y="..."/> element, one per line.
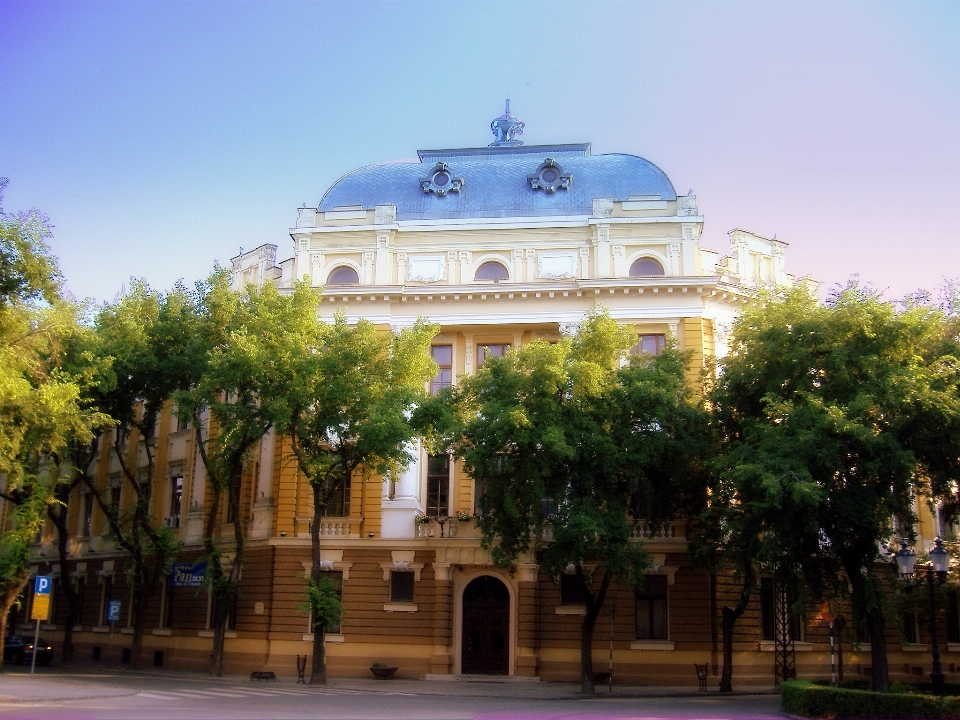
<point x="19" y="649"/>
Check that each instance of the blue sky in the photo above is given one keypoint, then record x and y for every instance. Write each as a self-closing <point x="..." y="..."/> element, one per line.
<point x="161" y="137"/>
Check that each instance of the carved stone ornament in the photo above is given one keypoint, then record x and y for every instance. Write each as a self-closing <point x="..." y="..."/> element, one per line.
<point x="549" y="177"/>
<point x="505" y="129"/>
<point x="441" y="181"/>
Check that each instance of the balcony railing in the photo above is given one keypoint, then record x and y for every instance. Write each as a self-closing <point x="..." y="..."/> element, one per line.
<point x="670" y="530"/>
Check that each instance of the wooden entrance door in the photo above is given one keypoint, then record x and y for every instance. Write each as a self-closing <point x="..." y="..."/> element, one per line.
<point x="486" y="628"/>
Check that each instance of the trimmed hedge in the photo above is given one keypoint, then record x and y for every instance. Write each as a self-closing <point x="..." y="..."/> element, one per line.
<point x="816" y="701"/>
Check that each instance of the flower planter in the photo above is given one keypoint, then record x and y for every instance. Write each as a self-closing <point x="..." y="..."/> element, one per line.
<point x="384" y="672"/>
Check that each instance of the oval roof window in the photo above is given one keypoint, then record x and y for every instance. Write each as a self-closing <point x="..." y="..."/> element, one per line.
<point x="646" y="267"/>
<point x="344" y="275"/>
<point x="491" y="271"/>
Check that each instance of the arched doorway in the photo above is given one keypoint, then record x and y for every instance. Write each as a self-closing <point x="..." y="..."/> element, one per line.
<point x="486" y="627"/>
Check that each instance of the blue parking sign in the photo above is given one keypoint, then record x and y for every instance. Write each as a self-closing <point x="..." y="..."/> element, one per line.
<point x="113" y="611"/>
<point x="42" y="585"/>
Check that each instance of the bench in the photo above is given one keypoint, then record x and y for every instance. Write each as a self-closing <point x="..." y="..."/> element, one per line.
<point x="263" y="675"/>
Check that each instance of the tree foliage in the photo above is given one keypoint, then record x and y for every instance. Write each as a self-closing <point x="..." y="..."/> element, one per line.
<point x="240" y="360"/>
<point x="40" y="411"/>
<point x="348" y="408"/>
<point x="826" y="414"/>
<point x="566" y="442"/>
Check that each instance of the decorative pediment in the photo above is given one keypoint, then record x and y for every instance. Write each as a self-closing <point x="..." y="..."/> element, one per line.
<point x="549" y="177"/>
<point x="441" y="181"/>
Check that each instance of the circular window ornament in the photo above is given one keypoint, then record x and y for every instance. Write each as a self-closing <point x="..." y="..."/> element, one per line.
<point x="441" y="181"/>
<point x="550" y="177"/>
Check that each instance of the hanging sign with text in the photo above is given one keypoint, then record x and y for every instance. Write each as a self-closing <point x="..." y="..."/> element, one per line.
<point x="183" y="575"/>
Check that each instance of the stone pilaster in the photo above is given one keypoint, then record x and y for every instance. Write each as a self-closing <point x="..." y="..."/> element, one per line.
<point x="441" y="661"/>
<point x="527" y="659"/>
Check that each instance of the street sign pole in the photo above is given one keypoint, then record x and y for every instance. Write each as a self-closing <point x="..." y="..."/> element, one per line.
<point x="113" y="615"/>
<point x="33" y="660"/>
<point x="39" y="610"/>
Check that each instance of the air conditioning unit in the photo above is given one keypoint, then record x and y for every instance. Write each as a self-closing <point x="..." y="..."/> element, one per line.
<point x="172" y="521"/>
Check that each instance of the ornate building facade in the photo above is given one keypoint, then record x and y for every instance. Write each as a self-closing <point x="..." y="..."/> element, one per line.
<point x="500" y="245"/>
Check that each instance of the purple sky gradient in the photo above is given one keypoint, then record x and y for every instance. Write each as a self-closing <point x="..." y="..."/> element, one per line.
<point x="160" y="136"/>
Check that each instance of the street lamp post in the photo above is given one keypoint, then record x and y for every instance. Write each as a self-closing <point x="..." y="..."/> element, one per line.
<point x="935" y="571"/>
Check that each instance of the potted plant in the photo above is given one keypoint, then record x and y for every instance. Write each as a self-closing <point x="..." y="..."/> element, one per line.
<point x="463" y="516"/>
<point x="383" y="672"/>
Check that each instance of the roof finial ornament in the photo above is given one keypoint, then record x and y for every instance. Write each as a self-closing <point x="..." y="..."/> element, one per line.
<point x="505" y="128"/>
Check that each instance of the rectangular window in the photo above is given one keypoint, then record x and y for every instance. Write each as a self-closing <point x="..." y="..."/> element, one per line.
<point x="115" y="498"/>
<point x="176" y="500"/>
<point x="649" y="344"/>
<point x="438" y="485"/>
<point x="87" y="520"/>
<point x="82" y="592"/>
<point x="910" y="633"/>
<point x="485" y="351"/>
<point x="652" y="608"/>
<point x="478" y="493"/>
<point x="768" y="614"/>
<point x="337" y="578"/>
<point x="401" y="586"/>
<point x="571" y="591"/>
<point x="183" y="423"/>
<point x="339" y="504"/>
<point x="948" y="530"/>
<point x="767" y="609"/>
<point x="443" y="356"/>
<point x="953" y="616"/>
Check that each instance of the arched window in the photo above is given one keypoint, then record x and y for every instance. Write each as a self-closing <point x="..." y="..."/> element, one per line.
<point x="491" y="271"/>
<point x="646" y="267"/>
<point x="343" y="275"/>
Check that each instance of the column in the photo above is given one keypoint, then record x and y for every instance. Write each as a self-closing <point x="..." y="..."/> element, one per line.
<point x="441" y="661"/>
<point x="602" y="251"/>
<point x="384" y="269"/>
<point x="263" y="498"/>
<point x="527" y="659"/>
<point x="398" y="513"/>
<point x="193" y="526"/>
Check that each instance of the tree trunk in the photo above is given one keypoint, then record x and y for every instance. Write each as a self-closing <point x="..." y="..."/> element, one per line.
<point x="594" y="605"/>
<point x="867" y="597"/>
<point x="878" y="650"/>
<point x="318" y="671"/>
<point x="586" y="651"/>
<point x="12" y="590"/>
<point x="729" y="619"/>
<point x="219" y="634"/>
<point x="136" y="642"/>
<point x="74" y="601"/>
<point x="225" y="601"/>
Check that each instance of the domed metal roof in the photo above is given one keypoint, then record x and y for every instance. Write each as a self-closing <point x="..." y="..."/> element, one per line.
<point x="492" y="182"/>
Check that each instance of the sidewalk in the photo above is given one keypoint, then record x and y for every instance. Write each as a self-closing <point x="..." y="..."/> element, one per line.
<point x="53" y="684"/>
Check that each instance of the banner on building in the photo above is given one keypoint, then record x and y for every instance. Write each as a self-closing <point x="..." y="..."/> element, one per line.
<point x="183" y="575"/>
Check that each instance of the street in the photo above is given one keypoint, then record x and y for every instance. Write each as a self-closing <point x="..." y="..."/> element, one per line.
<point x="58" y="694"/>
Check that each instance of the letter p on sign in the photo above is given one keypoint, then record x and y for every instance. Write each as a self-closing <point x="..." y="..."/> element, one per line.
<point x="41" y="585"/>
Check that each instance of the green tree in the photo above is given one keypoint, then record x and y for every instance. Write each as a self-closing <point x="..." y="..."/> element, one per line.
<point x="39" y="408"/>
<point x="241" y="358"/>
<point x="72" y="463"/>
<point x="822" y="409"/>
<point x="566" y="442"/>
<point x="354" y="390"/>
<point x="145" y="338"/>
